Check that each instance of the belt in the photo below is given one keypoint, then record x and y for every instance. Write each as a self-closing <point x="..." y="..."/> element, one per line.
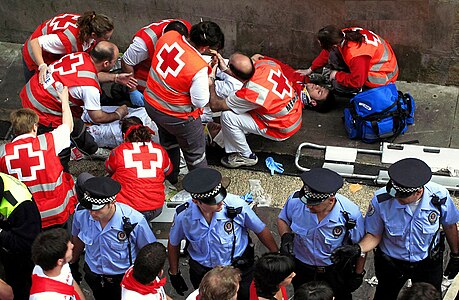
<point x="316" y="269"/>
<point x="103" y="277"/>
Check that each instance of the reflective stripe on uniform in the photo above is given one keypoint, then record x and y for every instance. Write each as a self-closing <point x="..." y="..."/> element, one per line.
<point x="142" y="83"/>
<point x="261" y="90"/>
<point x="59" y="209"/>
<point x="89" y="74"/>
<point x="383" y="80"/>
<point x="164" y="85"/>
<point x="72" y="40"/>
<point x="38" y="105"/>
<point x="199" y="160"/>
<point x="169" y="106"/>
<point x="384" y="58"/>
<point x="152" y="35"/>
<point x="46" y="187"/>
<point x="42" y="141"/>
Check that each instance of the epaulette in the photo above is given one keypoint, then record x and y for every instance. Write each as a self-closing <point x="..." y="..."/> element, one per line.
<point x="296" y="194"/>
<point x="80" y="207"/>
<point x="182" y="207"/>
<point x="383" y="197"/>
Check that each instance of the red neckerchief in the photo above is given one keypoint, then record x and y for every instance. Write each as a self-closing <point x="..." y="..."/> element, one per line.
<point x="130" y="283"/>
<point x="43" y="284"/>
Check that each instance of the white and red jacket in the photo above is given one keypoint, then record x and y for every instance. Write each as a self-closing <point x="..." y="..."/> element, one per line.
<point x="173" y="67"/>
<point x="75" y="69"/>
<point x="141" y="169"/>
<point x="150" y="35"/>
<point x="66" y="28"/>
<point x="279" y="108"/>
<point x="53" y="288"/>
<point x="33" y="160"/>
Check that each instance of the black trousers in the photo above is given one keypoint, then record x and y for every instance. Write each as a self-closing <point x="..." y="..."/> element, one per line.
<point x="336" y="63"/>
<point x="393" y="273"/>
<point x="18" y="273"/>
<point x="305" y="273"/>
<point x="103" y="286"/>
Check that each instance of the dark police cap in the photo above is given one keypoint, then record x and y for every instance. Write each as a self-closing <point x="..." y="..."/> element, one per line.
<point x="319" y="184"/>
<point x="409" y="174"/>
<point x="205" y="184"/>
<point x="99" y="191"/>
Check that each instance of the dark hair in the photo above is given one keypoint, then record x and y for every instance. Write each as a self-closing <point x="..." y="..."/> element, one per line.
<point x="278" y="266"/>
<point x="178" y="26"/>
<point x="149" y="262"/>
<point x="329" y="36"/>
<point x="140" y="133"/>
<point x="314" y="290"/>
<point x="50" y="246"/>
<point x="207" y="33"/>
<point x="128" y="122"/>
<point x="101" y="53"/>
<point x="419" y="291"/>
<point x="325" y="105"/>
<point x="91" y="22"/>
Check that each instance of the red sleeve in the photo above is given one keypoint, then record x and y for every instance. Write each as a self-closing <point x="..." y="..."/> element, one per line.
<point x="167" y="165"/>
<point x="321" y="60"/>
<point x="359" y="67"/>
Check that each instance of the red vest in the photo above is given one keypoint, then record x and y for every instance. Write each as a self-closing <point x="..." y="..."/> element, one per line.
<point x="141" y="170"/>
<point x="43" y="284"/>
<point x="34" y="162"/>
<point x="280" y="109"/>
<point x="65" y="26"/>
<point x="383" y="63"/>
<point x="75" y="69"/>
<point x="174" y="65"/>
<point x="150" y="35"/>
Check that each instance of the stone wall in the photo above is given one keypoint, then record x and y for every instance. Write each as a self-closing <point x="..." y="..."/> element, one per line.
<point x="423" y="33"/>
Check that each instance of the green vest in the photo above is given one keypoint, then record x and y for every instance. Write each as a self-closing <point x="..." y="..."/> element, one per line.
<point x="14" y="193"/>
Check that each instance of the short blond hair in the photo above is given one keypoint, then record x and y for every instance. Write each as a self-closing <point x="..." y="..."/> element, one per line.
<point x="220" y="283"/>
<point x="23" y="120"/>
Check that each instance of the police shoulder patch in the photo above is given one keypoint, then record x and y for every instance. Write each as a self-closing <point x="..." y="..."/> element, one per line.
<point x="371" y="210"/>
<point x="182" y="207"/>
<point x="228" y="226"/>
<point x="296" y="194"/>
<point x="433" y="217"/>
<point x="383" y="197"/>
<point x="337" y="231"/>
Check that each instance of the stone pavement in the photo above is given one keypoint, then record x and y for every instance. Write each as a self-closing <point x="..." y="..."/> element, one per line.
<point x="435" y="125"/>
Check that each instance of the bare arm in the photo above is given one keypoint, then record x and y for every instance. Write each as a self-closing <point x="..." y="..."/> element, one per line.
<point x="129" y="70"/>
<point x="78" y="290"/>
<point x="173" y="253"/>
<point x="266" y="237"/>
<point x="360" y="264"/>
<point x="369" y="242"/>
<point x="37" y="52"/>
<point x="78" y="247"/>
<point x="282" y="227"/>
<point x="100" y="116"/>
<point x="216" y="103"/>
<point x="6" y="292"/>
<point x="451" y="237"/>
<point x="67" y="118"/>
<point x="126" y="79"/>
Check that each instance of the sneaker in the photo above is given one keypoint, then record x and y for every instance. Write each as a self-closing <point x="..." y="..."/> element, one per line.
<point x="236" y="160"/>
<point x="101" y="154"/>
<point x="76" y="154"/>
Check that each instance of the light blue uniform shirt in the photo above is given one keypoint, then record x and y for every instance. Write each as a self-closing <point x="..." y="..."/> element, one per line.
<point x="107" y="249"/>
<point x="406" y="235"/>
<point x="210" y="244"/>
<point x="314" y="242"/>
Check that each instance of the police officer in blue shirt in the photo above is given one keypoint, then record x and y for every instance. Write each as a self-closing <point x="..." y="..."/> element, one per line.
<point x="316" y="220"/>
<point x="112" y="233"/>
<point x="403" y="221"/>
<point x="216" y="226"/>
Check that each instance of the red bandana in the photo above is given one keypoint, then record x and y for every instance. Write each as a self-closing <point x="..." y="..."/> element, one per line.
<point x="130" y="283"/>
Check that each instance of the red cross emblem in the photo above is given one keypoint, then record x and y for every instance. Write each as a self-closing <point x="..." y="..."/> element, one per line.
<point x="281" y="86"/>
<point x="63" y="22"/>
<point x="144" y="158"/>
<point x="26" y="171"/>
<point x="169" y="61"/>
<point x="68" y="64"/>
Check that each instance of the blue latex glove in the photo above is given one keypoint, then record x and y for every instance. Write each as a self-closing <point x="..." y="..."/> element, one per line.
<point x="247" y="197"/>
<point x="274" y="166"/>
<point x="137" y="98"/>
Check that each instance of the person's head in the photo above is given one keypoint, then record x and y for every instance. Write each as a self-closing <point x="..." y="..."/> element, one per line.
<point x="178" y="26"/>
<point x="94" y="26"/>
<point x="205" y="35"/>
<point x="280" y="269"/>
<point x="314" y="290"/>
<point x="149" y="263"/>
<point x="330" y="36"/>
<point x="319" y="188"/>
<point x="220" y="283"/>
<point x="137" y="133"/>
<point x="241" y="66"/>
<point x="419" y="291"/>
<point x="99" y="196"/>
<point x="24" y="120"/>
<point x="206" y="189"/>
<point x="52" y="248"/>
<point x="104" y="55"/>
<point x="318" y="98"/>
<point x="407" y="179"/>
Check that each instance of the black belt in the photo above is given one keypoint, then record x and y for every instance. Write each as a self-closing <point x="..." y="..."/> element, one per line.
<point x="103" y="277"/>
<point x="316" y="269"/>
<point x="403" y="263"/>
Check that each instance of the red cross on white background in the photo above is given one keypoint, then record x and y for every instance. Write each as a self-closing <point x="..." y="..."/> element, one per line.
<point x="169" y="61"/>
<point x="281" y="86"/>
<point x="68" y="64"/>
<point x="146" y="162"/>
<point x="15" y="162"/>
<point x="63" y="22"/>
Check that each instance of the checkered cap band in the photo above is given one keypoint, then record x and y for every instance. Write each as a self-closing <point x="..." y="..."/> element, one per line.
<point x="402" y="189"/>
<point x="98" y="201"/>
<point x="315" y="196"/>
<point x="210" y="194"/>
